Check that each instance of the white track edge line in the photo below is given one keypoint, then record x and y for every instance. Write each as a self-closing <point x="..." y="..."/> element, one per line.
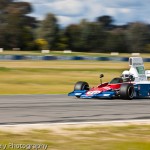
<point x="82" y="123"/>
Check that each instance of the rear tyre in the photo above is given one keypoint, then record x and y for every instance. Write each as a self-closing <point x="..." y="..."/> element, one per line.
<point x="81" y="85"/>
<point x="127" y="91"/>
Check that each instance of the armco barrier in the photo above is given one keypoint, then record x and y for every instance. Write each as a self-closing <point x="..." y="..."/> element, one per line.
<point x="146" y="59"/>
<point x="77" y="58"/>
<point x="51" y="57"/>
<point x="103" y="58"/>
<point x="1" y="57"/>
<point x="125" y="59"/>
<point x="18" y="57"/>
<point x="64" y="58"/>
<point x="6" y="57"/>
<point x="118" y="58"/>
<point x="33" y="57"/>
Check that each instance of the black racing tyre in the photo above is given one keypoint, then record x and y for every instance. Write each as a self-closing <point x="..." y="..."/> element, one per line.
<point x="81" y="85"/>
<point x="127" y="91"/>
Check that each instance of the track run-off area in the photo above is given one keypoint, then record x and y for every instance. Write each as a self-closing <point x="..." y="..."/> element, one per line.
<point x="36" y="109"/>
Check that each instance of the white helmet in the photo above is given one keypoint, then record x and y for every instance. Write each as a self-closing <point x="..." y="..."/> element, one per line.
<point x="125" y="74"/>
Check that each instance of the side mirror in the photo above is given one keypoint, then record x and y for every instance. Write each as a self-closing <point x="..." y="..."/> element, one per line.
<point x="101" y="76"/>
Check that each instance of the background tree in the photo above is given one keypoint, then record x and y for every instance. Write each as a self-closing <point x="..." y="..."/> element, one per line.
<point x="138" y="36"/>
<point x="93" y="37"/>
<point x="41" y="43"/>
<point x="49" y="30"/>
<point x="105" y="21"/>
<point x="87" y="36"/>
<point x="17" y="29"/>
<point x="63" y="41"/>
<point x="73" y="34"/>
<point x="116" y="41"/>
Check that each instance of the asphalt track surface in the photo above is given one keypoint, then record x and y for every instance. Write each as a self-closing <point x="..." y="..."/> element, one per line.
<point x="20" y="109"/>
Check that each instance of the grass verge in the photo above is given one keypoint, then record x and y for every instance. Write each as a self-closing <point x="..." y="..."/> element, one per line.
<point x="95" y="137"/>
<point x="52" y="77"/>
<point x="61" y="53"/>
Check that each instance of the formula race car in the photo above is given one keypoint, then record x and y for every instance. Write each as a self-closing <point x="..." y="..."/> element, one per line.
<point x="131" y="84"/>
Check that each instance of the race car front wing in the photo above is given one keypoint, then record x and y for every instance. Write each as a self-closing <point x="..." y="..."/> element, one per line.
<point x="83" y="94"/>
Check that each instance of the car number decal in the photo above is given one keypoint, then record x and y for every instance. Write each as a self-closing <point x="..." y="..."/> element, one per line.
<point x="93" y="92"/>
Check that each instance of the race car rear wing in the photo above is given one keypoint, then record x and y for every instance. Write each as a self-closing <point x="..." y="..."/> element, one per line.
<point x="137" y="69"/>
<point x="147" y="72"/>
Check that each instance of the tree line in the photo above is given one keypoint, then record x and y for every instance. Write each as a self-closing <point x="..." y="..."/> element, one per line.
<point x="19" y="30"/>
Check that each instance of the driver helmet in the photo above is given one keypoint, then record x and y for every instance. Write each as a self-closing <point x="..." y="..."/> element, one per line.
<point x="126" y="76"/>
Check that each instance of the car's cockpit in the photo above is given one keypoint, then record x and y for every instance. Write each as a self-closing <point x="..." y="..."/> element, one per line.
<point x="116" y="80"/>
<point x="122" y="79"/>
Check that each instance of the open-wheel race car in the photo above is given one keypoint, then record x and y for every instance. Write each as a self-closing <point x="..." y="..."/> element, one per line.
<point x="132" y="83"/>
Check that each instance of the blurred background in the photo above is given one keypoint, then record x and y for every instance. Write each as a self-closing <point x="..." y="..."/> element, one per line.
<point x="76" y="39"/>
<point x="46" y="46"/>
<point x="87" y="26"/>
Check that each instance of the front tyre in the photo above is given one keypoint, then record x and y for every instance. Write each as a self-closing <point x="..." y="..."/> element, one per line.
<point x="81" y="85"/>
<point x="127" y="91"/>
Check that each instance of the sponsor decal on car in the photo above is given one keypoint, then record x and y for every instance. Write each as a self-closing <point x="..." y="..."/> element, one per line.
<point x="89" y="93"/>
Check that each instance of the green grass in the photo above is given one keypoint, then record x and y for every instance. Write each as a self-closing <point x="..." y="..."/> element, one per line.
<point x="127" y="137"/>
<point x="61" y="53"/>
<point x="53" y="77"/>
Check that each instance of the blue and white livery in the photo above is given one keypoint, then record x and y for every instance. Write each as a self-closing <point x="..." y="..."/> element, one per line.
<point x="133" y="83"/>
